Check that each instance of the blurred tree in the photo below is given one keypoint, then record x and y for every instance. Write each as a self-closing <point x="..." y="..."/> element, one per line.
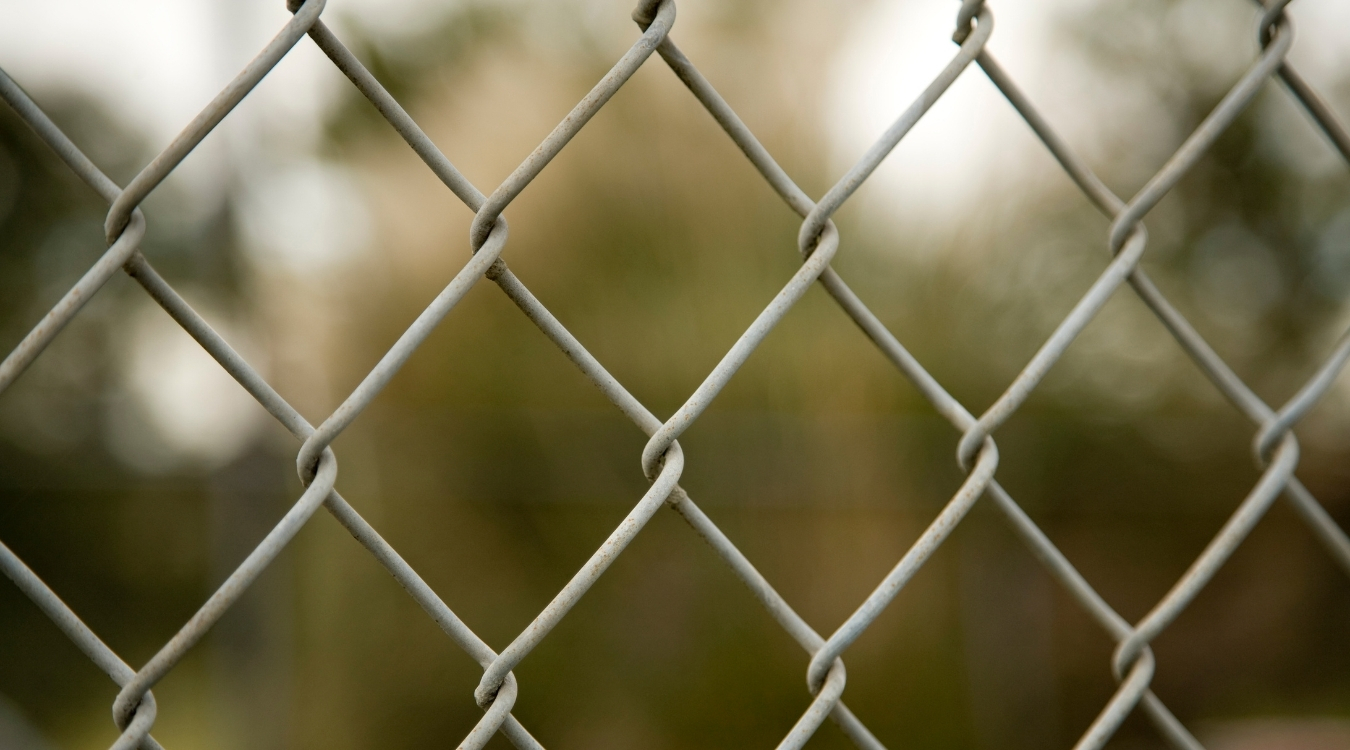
<point x="496" y="469"/>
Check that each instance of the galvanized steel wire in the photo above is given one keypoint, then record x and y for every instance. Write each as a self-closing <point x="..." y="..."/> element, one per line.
<point x="1275" y="446"/>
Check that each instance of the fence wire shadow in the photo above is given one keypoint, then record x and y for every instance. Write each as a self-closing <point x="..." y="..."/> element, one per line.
<point x="1275" y="447"/>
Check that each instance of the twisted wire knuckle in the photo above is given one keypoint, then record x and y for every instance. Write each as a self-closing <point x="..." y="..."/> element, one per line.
<point x="965" y="19"/>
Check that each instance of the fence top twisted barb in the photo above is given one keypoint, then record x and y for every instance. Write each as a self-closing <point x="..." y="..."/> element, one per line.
<point x="662" y="460"/>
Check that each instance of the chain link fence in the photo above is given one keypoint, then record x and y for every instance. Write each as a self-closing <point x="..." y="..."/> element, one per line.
<point x="1275" y="447"/>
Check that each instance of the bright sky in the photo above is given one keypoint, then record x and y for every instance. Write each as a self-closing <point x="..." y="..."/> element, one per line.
<point x="972" y="140"/>
<point x="157" y="62"/>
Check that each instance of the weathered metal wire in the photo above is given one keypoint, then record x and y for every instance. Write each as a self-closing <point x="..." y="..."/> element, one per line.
<point x="1274" y="444"/>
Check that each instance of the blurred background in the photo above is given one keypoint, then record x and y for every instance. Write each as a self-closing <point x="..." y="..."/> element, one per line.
<point x="134" y="474"/>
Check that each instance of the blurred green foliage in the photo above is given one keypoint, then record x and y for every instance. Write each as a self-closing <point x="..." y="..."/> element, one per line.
<point x="495" y="468"/>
